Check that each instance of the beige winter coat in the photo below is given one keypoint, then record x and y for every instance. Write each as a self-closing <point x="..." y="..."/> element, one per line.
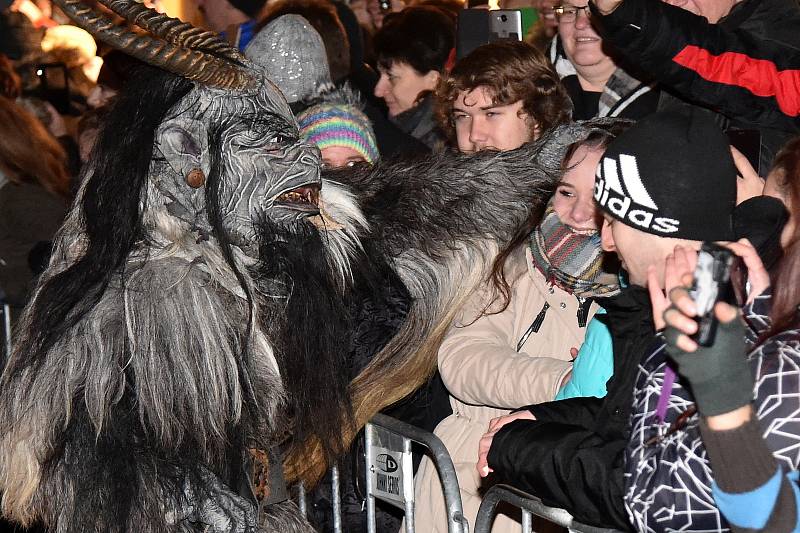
<point x="487" y="377"/>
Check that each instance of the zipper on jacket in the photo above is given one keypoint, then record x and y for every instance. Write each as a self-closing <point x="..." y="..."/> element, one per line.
<point x="535" y="325"/>
<point x="584" y="305"/>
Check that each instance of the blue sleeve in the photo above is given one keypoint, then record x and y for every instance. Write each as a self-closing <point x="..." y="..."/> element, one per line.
<point x="754" y="508"/>
<point x="594" y="364"/>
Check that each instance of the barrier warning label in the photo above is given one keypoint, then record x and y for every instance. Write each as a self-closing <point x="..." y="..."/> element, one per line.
<point x="387" y="470"/>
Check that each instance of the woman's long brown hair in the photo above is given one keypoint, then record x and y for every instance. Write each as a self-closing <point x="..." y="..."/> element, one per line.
<point x="598" y="139"/>
<point x="28" y="153"/>
<point x="786" y="298"/>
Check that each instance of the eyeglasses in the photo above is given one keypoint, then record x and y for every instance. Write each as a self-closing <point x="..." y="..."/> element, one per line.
<point x="568" y="14"/>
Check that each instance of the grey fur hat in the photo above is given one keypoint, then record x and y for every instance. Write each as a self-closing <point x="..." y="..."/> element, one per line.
<point x="293" y="56"/>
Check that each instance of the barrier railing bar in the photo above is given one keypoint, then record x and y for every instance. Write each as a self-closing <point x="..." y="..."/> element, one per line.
<point x="337" y="500"/>
<point x="368" y="438"/>
<point x="301" y="499"/>
<point x="409" y="500"/>
<point x="527" y="521"/>
<point x="526" y="502"/>
<point x="456" y="522"/>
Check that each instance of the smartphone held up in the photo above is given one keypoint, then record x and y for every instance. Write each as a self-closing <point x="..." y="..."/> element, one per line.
<point x="476" y="27"/>
<point x="712" y="277"/>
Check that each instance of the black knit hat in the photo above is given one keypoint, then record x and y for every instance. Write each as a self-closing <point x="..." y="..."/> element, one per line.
<point x="251" y="8"/>
<point x="670" y="175"/>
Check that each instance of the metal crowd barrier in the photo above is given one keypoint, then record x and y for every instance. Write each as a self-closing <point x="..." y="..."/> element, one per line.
<point x="336" y="496"/>
<point x="390" y="478"/>
<point x="5" y="330"/>
<point x="530" y="506"/>
<point x="390" y="475"/>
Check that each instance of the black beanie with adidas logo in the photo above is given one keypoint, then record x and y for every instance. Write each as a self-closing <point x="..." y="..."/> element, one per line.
<point x="671" y="175"/>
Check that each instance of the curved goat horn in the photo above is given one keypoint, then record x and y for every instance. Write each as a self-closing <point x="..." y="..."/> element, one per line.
<point x="173" y="30"/>
<point x="191" y="64"/>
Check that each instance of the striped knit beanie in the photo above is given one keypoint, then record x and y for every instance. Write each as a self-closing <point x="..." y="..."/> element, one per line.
<point x="328" y="124"/>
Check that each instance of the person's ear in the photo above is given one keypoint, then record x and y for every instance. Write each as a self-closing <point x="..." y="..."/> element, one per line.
<point x="533" y="125"/>
<point x="432" y="79"/>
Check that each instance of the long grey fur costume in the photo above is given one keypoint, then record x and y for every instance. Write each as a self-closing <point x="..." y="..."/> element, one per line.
<point x="164" y="342"/>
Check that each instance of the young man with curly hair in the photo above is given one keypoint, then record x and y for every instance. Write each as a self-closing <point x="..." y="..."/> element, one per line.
<point x="500" y="96"/>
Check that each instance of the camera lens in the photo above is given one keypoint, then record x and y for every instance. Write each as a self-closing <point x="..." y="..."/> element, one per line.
<point x="503" y="18"/>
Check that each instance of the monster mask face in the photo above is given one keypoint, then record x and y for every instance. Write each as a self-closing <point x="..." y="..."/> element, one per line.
<point x="247" y="145"/>
<point x="228" y="151"/>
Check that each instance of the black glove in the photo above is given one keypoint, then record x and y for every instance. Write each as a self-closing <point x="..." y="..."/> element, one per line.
<point x="719" y="375"/>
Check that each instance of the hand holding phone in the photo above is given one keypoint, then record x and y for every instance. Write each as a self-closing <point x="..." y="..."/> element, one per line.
<point x="711" y="283"/>
<point x="748" y="142"/>
<point x="476" y="27"/>
<point x="706" y="340"/>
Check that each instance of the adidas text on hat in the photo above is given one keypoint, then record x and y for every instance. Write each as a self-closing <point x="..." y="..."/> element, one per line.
<point x="619" y="190"/>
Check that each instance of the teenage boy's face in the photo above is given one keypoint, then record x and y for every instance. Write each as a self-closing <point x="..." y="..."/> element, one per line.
<point x="482" y="125"/>
<point x="638" y="251"/>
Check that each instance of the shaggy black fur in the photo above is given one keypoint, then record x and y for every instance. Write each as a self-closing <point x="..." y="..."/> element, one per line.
<point x="111" y="206"/>
<point x="112" y="470"/>
<point x="313" y="336"/>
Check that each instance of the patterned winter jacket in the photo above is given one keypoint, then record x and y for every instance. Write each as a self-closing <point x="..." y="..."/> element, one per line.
<point x="668" y="478"/>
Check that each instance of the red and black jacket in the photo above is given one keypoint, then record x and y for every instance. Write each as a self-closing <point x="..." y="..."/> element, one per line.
<point x="746" y="67"/>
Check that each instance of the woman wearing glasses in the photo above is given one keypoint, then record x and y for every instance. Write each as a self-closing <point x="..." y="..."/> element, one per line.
<point x="597" y="86"/>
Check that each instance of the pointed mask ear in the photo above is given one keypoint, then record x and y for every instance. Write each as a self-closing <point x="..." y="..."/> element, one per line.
<point x="184" y="144"/>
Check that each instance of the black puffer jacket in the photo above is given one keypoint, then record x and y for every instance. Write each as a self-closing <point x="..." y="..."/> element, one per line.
<point x="571" y="456"/>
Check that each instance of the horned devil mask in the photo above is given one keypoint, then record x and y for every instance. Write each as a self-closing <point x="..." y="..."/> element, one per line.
<point x="151" y="358"/>
<point x="193" y="312"/>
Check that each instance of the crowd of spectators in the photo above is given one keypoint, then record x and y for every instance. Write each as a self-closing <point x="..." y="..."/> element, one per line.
<point x="571" y="374"/>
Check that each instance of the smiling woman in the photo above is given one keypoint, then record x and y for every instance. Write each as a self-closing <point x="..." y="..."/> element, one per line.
<point x="583" y="46"/>
<point x="595" y="83"/>
<point x="509" y="345"/>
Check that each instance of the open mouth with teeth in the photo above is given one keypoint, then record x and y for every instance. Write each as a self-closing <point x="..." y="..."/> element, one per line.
<point x="304" y="198"/>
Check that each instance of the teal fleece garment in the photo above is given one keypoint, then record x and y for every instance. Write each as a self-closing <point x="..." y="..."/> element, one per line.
<point x="594" y="364"/>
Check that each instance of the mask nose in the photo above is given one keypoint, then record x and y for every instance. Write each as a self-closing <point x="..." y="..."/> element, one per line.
<point x="302" y="163"/>
<point x="309" y="160"/>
